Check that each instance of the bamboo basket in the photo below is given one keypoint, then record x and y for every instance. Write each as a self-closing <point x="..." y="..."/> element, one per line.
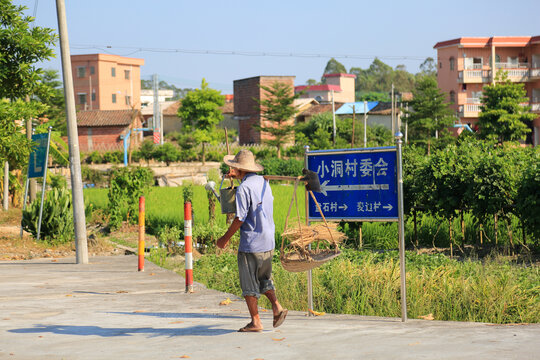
<point x="298" y="255"/>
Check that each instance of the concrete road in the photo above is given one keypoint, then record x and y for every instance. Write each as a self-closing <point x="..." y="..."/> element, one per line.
<point x="56" y="309"/>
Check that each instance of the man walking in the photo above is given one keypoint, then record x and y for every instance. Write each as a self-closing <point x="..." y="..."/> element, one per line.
<point x="254" y="218"/>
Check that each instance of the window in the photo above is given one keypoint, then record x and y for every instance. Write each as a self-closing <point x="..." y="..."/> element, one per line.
<point x="81" y="71"/>
<point x="452" y="96"/>
<point x="128" y="100"/>
<point x="93" y="96"/>
<point x="82" y="98"/>
<point x="92" y="70"/>
<point x="114" y="98"/>
<point x="513" y="62"/>
<point x="497" y="59"/>
<point x="126" y="74"/>
<point x="440" y="64"/>
<point x="452" y="63"/>
<point x="477" y="96"/>
<point x="113" y="72"/>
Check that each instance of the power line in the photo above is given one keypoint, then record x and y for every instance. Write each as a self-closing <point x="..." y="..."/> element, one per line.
<point x="135" y="50"/>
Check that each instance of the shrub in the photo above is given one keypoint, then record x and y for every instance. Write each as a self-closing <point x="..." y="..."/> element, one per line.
<point x="275" y="166"/>
<point x="169" y="237"/>
<point x="113" y="157"/>
<point x="94" y="158"/>
<point x="127" y="184"/>
<point x="167" y="153"/>
<point x="57" y="217"/>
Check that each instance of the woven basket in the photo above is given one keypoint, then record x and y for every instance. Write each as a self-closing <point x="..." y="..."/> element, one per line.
<point x="295" y="262"/>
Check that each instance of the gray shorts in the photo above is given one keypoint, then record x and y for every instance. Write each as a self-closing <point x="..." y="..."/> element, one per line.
<point x="255" y="271"/>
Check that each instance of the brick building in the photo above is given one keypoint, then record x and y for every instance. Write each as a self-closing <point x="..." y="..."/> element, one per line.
<point x="466" y="64"/>
<point x="103" y="130"/>
<point x="106" y="82"/>
<point x="246" y="109"/>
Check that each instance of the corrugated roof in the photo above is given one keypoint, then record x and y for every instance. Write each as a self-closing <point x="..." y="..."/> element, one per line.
<point x="95" y="118"/>
<point x="347" y="108"/>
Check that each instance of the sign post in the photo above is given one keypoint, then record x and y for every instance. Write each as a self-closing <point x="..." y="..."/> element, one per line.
<point x="37" y="167"/>
<point x="360" y="185"/>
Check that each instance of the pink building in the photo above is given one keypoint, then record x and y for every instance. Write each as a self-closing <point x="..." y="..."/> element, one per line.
<point x="465" y="65"/>
<point x="106" y="82"/>
<point x="342" y="86"/>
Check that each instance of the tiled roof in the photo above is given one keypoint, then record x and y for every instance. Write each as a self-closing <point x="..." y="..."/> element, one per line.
<point x="320" y="109"/>
<point x="308" y="88"/>
<point x="172" y="110"/>
<point x="95" y="118"/>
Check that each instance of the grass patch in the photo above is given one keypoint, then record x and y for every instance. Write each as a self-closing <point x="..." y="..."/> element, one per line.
<point x="368" y="283"/>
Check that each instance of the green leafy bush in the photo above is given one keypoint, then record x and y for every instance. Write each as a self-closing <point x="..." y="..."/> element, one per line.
<point x="94" y="158"/>
<point x="275" y="166"/>
<point x="169" y="238"/>
<point x="127" y="184"/>
<point x="113" y="157"/>
<point x="57" y="217"/>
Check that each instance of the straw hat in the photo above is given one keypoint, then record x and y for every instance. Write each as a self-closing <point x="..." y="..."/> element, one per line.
<point x="244" y="160"/>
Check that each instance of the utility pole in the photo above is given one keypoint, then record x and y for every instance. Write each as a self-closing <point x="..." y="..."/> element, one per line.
<point x="353" y="119"/>
<point x="334" y="118"/>
<point x="81" y="245"/>
<point x="365" y="123"/>
<point x="393" y="120"/>
<point x="156" y="122"/>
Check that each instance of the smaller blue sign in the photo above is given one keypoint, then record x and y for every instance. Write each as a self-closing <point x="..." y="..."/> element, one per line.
<point x="38" y="156"/>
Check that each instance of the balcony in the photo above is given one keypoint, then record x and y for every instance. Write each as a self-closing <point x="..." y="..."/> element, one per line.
<point x="471" y="109"/>
<point x="521" y="72"/>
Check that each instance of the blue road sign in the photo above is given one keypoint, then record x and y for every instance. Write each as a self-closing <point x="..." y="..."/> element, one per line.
<point x="356" y="184"/>
<point x="38" y="156"/>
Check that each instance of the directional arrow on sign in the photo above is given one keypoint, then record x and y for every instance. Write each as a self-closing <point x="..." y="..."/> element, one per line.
<point x="325" y="187"/>
<point x="388" y="207"/>
<point x="344" y="207"/>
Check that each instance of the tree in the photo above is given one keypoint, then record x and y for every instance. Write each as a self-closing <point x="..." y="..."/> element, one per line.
<point x="200" y="113"/>
<point x="22" y="47"/>
<point x="502" y="116"/>
<point x="54" y="99"/>
<point x="333" y="67"/>
<point x="429" y="111"/>
<point x="14" y="146"/>
<point x="277" y="114"/>
<point x="379" y="77"/>
<point x="428" y="68"/>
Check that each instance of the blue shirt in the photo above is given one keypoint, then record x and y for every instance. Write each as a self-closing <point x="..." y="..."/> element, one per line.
<point x="254" y="206"/>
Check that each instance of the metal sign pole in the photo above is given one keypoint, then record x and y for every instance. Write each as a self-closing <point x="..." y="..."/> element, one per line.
<point x="44" y="182"/>
<point x="309" y="273"/>
<point x="401" y="228"/>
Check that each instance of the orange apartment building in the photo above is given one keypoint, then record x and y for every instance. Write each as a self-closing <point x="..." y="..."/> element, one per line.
<point x="466" y="64"/>
<point x="107" y="95"/>
<point x="106" y="82"/>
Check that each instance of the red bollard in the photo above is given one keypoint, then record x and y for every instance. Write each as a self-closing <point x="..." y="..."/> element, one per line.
<point x="188" y="247"/>
<point x="141" y="233"/>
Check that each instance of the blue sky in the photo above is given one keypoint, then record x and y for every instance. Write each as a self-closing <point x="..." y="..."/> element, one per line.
<point x="398" y="32"/>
